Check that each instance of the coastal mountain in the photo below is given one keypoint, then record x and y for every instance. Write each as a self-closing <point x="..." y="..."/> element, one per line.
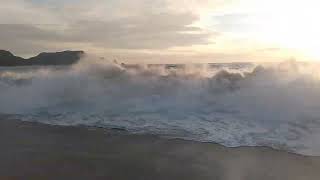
<point x="55" y="58"/>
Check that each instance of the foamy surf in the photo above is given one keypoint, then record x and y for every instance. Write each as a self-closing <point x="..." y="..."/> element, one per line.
<point x="276" y="106"/>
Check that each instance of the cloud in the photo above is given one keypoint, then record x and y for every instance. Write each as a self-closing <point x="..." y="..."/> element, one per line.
<point x="25" y="39"/>
<point x="155" y="31"/>
<point x="137" y="29"/>
<point x="114" y="24"/>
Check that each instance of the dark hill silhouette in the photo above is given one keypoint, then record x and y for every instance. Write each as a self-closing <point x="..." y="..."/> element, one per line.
<point x="55" y="58"/>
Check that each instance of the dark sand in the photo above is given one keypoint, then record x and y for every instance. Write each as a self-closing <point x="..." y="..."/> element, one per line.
<point x="36" y="151"/>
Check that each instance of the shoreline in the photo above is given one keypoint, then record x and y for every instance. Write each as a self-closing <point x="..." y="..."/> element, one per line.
<point x="124" y="131"/>
<point x="32" y="150"/>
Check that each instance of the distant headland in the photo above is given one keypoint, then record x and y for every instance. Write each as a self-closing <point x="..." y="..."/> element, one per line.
<point x="45" y="58"/>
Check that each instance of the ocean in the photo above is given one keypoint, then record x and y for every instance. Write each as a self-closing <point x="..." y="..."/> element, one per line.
<point x="275" y="105"/>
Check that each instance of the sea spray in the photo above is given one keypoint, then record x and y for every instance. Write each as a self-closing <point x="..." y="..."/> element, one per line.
<point x="276" y="106"/>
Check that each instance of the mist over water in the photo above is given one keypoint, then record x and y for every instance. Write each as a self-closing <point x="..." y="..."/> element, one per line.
<point x="234" y="105"/>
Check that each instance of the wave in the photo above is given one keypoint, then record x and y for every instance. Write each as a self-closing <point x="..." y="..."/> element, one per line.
<point x="271" y="105"/>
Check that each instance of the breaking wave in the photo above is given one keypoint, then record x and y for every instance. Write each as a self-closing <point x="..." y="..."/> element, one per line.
<point x="235" y="105"/>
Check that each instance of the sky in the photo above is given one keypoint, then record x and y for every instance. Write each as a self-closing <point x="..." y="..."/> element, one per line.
<point x="164" y="31"/>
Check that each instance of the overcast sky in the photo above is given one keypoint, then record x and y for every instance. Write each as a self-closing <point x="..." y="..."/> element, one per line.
<point x="155" y="31"/>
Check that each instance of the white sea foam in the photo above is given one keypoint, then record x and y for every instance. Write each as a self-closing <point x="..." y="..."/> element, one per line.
<point x="276" y="106"/>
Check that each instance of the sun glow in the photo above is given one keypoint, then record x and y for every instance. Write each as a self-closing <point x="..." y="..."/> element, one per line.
<point x="288" y="24"/>
<point x="292" y="26"/>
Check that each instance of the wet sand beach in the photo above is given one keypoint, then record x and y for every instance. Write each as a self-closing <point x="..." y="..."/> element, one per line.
<point x="37" y="151"/>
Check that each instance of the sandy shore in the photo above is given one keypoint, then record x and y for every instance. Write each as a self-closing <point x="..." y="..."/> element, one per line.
<point x="36" y="151"/>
